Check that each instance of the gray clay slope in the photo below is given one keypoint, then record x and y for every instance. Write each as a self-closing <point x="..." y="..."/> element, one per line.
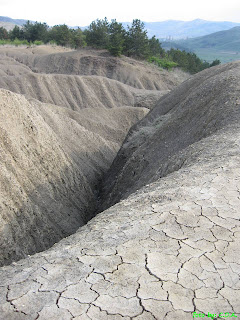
<point x="134" y="73"/>
<point x="167" y="250"/>
<point x="166" y="139"/>
<point x="57" y="139"/>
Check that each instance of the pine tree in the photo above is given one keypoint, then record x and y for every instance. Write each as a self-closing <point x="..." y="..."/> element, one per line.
<point x="155" y="48"/>
<point x="97" y="35"/>
<point x="3" y="34"/>
<point x="60" y="34"/>
<point x="35" y="31"/>
<point x="16" y="33"/>
<point x="116" y="38"/>
<point x="77" y="38"/>
<point x="137" y="40"/>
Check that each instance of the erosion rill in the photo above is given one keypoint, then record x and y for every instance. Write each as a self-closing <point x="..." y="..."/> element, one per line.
<point x="167" y="246"/>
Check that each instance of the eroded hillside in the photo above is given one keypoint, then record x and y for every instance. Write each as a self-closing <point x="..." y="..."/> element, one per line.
<point x="134" y="73"/>
<point x="59" y="135"/>
<point x="168" y="251"/>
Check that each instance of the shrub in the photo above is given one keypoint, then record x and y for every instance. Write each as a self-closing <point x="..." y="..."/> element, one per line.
<point x="18" y="42"/>
<point x="163" y="63"/>
<point x="38" y="42"/>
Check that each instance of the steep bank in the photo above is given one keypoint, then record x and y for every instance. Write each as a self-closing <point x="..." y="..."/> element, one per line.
<point x="52" y="159"/>
<point x="174" y="133"/>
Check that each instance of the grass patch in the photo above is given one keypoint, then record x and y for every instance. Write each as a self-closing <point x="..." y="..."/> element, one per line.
<point x="163" y="63"/>
<point x="18" y="42"/>
<point x="15" y="42"/>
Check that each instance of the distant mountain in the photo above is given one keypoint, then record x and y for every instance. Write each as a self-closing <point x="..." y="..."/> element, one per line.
<point x="7" y="25"/>
<point x="222" y="45"/>
<point x="176" y="29"/>
<point x="228" y="40"/>
<point x="18" y="22"/>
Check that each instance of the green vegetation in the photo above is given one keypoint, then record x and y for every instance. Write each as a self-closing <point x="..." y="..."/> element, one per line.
<point x="102" y="34"/>
<point x="39" y="33"/>
<point x="15" y="42"/>
<point x="189" y="61"/>
<point x="3" y="33"/>
<point x="117" y="36"/>
<point x="163" y="63"/>
<point x="136" y="42"/>
<point x="97" y="35"/>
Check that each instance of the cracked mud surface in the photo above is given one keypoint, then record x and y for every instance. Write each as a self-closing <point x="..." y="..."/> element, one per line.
<point x="170" y="249"/>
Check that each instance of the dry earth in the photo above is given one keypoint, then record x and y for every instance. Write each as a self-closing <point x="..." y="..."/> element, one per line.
<point x="91" y="62"/>
<point x="170" y="247"/>
<point x="55" y="145"/>
<point x="177" y="132"/>
<point x="52" y="158"/>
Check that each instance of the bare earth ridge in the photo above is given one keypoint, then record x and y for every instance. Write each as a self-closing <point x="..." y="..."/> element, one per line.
<point x="170" y="246"/>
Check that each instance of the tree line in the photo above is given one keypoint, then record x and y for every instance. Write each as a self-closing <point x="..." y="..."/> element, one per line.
<point x="102" y="34"/>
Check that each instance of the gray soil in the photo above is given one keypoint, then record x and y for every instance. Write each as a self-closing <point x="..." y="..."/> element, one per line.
<point x="59" y="134"/>
<point x="167" y="247"/>
<point x="177" y="132"/>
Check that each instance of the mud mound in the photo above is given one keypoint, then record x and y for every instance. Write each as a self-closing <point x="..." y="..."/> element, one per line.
<point x="167" y="139"/>
<point x="51" y="161"/>
<point x="92" y="62"/>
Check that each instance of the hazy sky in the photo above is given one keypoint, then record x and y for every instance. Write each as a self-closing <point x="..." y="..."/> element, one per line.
<point x="81" y="13"/>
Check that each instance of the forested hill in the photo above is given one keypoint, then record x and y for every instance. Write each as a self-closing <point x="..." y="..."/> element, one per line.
<point x="222" y="40"/>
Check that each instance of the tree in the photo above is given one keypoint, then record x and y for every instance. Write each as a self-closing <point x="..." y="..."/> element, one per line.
<point x="189" y="61"/>
<point x="215" y="62"/>
<point x="16" y="33"/>
<point x="77" y="38"/>
<point x="137" y="40"/>
<point x="36" y="31"/>
<point x="60" y="34"/>
<point x="3" y="34"/>
<point x="116" y="38"/>
<point x="97" y="35"/>
<point x="155" y="48"/>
